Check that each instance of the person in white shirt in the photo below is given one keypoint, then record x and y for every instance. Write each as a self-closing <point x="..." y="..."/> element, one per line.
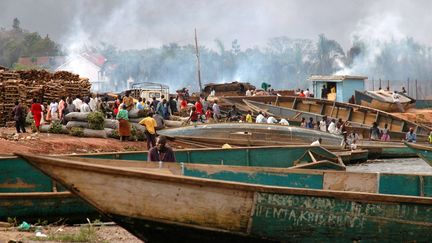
<point x="260" y="118"/>
<point x="306" y="93"/>
<point x="213" y="93"/>
<point x="332" y="126"/>
<point x="93" y="103"/>
<point x="317" y="142"/>
<point x="284" y="122"/>
<point x="271" y="120"/>
<point x="323" y="125"/>
<point x="248" y="93"/>
<point x="77" y="103"/>
<point x="85" y="107"/>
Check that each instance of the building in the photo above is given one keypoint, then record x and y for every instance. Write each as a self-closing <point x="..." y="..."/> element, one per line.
<point x="339" y="87"/>
<point x="89" y="65"/>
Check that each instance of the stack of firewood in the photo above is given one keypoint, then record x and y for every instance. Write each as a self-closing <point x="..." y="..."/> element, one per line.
<point x="43" y="85"/>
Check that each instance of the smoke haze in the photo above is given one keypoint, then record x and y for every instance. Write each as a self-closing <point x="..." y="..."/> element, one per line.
<point x="391" y="38"/>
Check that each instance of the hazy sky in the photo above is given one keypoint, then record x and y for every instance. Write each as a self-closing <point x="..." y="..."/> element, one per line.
<point x="138" y="24"/>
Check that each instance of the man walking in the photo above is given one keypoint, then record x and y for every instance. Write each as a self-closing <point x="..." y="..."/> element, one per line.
<point x="19" y="117"/>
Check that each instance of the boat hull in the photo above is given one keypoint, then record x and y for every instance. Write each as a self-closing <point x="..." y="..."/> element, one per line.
<point x="424" y="152"/>
<point x="139" y="201"/>
<point x="364" y="99"/>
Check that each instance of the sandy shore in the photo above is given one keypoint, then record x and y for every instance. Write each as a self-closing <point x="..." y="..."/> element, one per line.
<point x="64" y="234"/>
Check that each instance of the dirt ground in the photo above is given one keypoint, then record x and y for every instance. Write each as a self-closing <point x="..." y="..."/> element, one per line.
<point x="102" y="234"/>
<point x="423" y="116"/>
<point x="46" y="143"/>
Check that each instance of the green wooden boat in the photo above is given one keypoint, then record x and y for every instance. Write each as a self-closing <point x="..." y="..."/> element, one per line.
<point x="25" y="192"/>
<point x="158" y="204"/>
<point x="423" y="151"/>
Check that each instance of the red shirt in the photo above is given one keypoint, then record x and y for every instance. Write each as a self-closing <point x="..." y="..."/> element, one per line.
<point x="302" y="95"/>
<point x="183" y="104"/>
<point x="199" y="107"/>
<point x="208" y="114"/>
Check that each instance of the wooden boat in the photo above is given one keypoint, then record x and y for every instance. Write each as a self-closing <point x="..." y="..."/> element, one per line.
<point x="161" y="207"/>
<point x="423" y="151"/>
<point x="355" y="114"/>
<point x="359" y="117"/>
<point x="253" y="132"/>
<point x="383" y="100"/>
<point x="26" y="193"/>
<point x="353" y="156"/>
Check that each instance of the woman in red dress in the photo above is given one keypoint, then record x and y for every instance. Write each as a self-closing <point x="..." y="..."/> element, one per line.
<point x="36" y="110"/>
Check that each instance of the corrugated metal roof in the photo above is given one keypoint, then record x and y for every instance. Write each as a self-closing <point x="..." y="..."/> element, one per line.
<point x="335" y="78"/>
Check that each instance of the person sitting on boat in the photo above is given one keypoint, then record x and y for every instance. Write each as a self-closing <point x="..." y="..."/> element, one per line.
<point x="307" y="93"/>
<point x="411" y="136"/>
<point x="323" y="124"/>
<point x="332" y="126"/>
<point x="284" y="122"/>
<point x="311" y="123"/>
<point x="374" y="131"/>
<point x="385" y="136"/>
<point x="234" y="114"/>
<point x="161" y="152"/>
<point x="317" y="142"/>
<point x="302" y="94"/>
<point x="403" y="90"/>
<point x="249" y="118"/>
<point x="271" y="120"/>
<point x="303" y="122"/>
<point x="260" y="118"/>
<point x="352" y="140"/>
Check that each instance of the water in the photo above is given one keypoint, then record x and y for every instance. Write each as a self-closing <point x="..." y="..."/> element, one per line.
<point x="402" y="165"/>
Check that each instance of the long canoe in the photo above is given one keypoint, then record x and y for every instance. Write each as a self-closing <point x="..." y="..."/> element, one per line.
<point x="255" y="132"/>
<point x="161" y="207"/>
<point x="383" y="100"/>
<point x="423" y="151"/>
<point x="27" y="194"/>
<point x="362" y="128"/>
<point x="356" y="114"/>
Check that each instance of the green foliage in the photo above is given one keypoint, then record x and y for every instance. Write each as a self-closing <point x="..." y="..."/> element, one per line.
<point x="16" y="42"/>
<point x="114" y="134"/>
<point x="87" y="233"/>
<point x="96" y="120"/>
<point x="77" y="131"/>
<point x="12" y="221"/>
<point x="55" y="127"/>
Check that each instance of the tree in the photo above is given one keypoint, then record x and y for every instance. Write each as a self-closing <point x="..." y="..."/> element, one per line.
<point x="16" y="25"/>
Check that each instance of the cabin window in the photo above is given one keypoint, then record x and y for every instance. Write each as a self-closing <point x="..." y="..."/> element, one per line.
<point x="154" y="94"/>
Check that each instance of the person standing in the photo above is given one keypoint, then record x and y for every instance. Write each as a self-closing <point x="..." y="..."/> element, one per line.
<point x="128" y="101"/>
<point x="154" y="104"/>
<point x="199" y="107"/>
<point x="161" y="152"/>
<point x="19" y="115"/>
<point x="332" y="126"/>
<point x="385" y="137"/>
<point x="53" y="111"/>
<point x="77" y="103"/>
<point x="323" y="125"/>
<point x="150" y="133"/>
<point x="124" y="126"/>
<point x="324" y="92"/>
<point x="61" y="107"/>
<point x="139" y="104"/>
<point x="172" y="105"/>
<point x="374" y="131"/>
<point x="307" y="93"/>
<point x="216" y="111"/>
<point x="85" y="106"/>
<point x="193" y="116"/>
<point x="36" y="110"/>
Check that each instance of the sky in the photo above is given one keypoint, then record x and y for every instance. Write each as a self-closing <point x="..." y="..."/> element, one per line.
<point x="133" y="24"/>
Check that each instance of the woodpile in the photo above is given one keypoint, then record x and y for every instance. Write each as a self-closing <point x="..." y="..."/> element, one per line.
<point x="43" y="85"/>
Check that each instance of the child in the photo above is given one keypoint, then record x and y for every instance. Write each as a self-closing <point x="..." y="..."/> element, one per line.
<point x="193" y="116"/>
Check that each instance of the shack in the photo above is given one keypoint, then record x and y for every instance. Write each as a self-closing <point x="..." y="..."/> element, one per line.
<point x="336" y="87"/>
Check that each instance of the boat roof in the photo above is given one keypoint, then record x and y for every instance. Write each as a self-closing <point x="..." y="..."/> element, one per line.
<point x="335" y="78"/>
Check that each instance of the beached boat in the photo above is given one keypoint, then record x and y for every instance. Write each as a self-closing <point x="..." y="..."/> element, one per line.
<point x="27" y="194"/>
<point x="423" y="151"/>
<point x="156" y="205"/>
<point x="255" y="132"/>
<point x="360" y="118"/>
<point x="383" y="100"/>
<point x="348" y="112"/>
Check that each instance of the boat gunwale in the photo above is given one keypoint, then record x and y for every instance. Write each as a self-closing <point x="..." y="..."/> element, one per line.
<point x="358" y="196"/>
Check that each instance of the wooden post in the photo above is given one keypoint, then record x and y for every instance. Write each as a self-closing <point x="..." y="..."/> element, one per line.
<point x="380" y="87"/>
<point x="408" y="88"/>
<point x="198" y="62"/>
<point x="373" y="84"/>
